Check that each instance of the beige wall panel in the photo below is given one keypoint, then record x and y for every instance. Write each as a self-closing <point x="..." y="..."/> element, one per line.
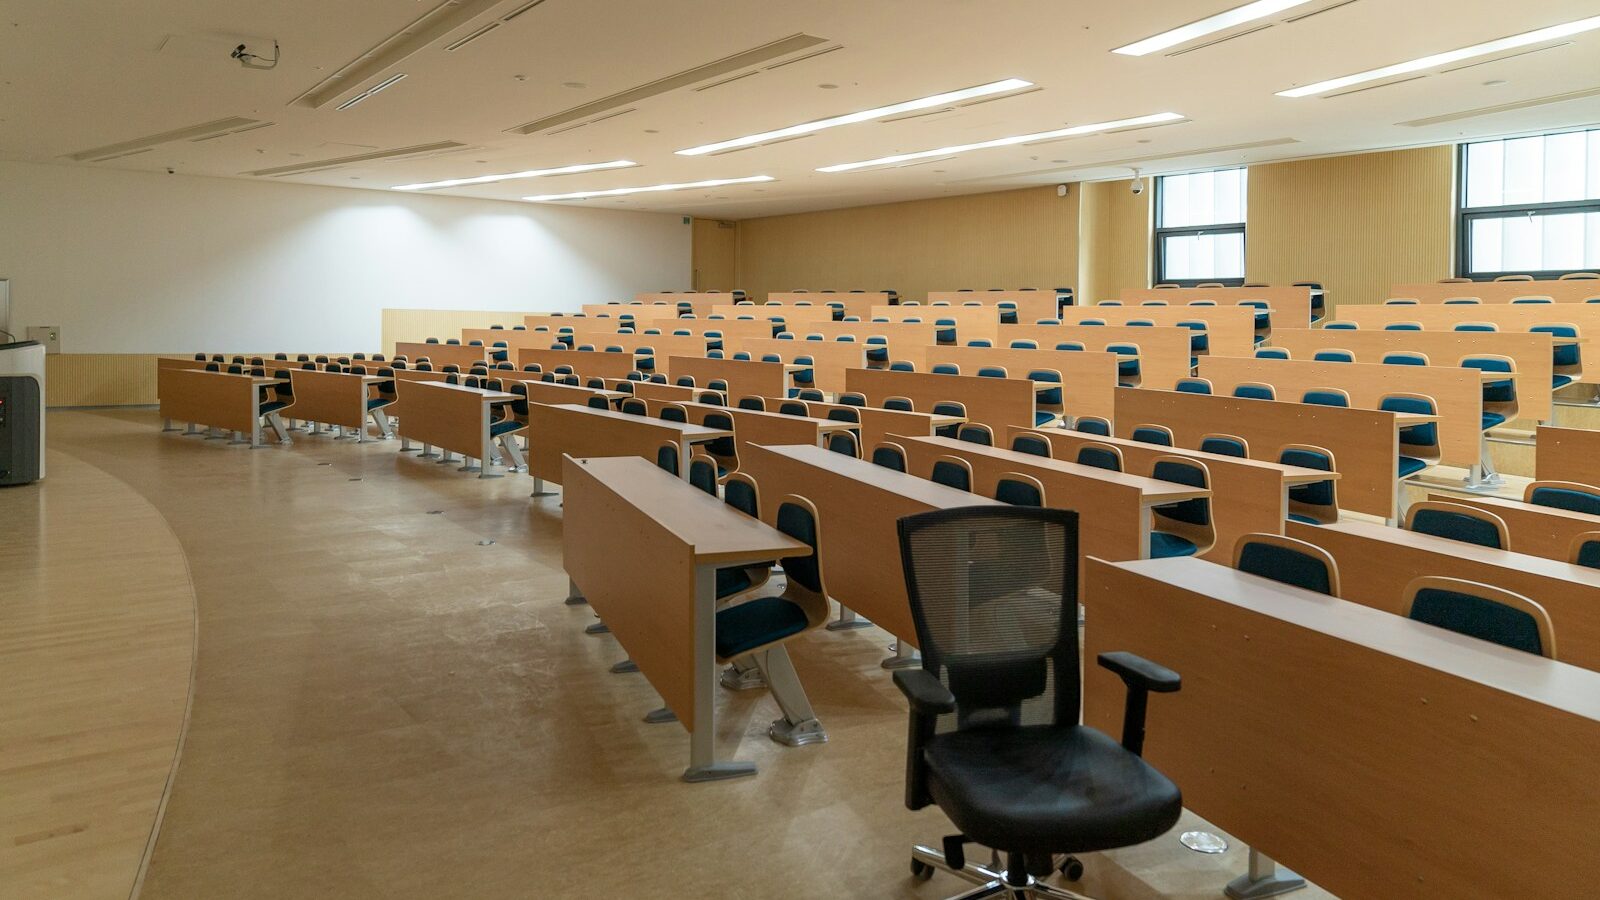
<point x="99" y="379"/>
<point x="714" y="254"/>
<point x="1115" y="252"/>
<point x="420" y="324"/>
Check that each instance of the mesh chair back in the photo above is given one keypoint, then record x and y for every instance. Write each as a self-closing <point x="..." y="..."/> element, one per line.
<point x="993" y="595"/>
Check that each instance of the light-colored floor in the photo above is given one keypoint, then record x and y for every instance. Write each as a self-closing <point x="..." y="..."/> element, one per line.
<point x="386" y="706"/>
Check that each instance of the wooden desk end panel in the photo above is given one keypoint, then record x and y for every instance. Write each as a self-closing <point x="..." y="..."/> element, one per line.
<point x="441" y="355"/>
<point x="745" y="378"/>
<point x="996" y="402"/>
<point x="587" y="363"/>
<point x="434" y="414"/>
<point x="554" y="431"/>
<point x="331" y="398"/>
<point x="1567" y="454"/>
<point x="648" y="603"/>
<point x="1318" y="751"/>
<point x="207" y="398"/>
<point x="830" y="358"/>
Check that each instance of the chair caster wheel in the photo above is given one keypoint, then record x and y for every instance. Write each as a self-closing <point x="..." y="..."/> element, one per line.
<point x="920" y="870"/>
<point x="1071" y="868"/>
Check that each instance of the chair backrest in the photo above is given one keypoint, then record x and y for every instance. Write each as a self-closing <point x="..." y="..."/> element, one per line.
<point x="1585" y="550"/>
<point x="1182" y="470"/>
<point x="633" y="406"/>
<point x="1405" y="358"/>
<point x="1333" y="354"/>
<point x="1254" y="390"/>
<point x="1403" y="326"/>
<point x="1031" y="444"/>
<point x="1153" y="434"/>
<point x="667" y="457"/>
<point x="1419" y="441"/>
<point x="853" y="398"/>
<point x="1319" y="500"/>
<point x="976" y="433"/>
<point x="945" y="369"/>
<point x="1019" y="489"/>
<point x="992" y="372"/>
<point x="901" y="404"/>
<point x="794" y="408"/>
<point x="673" y="412"/>
<point x="844" y="442"/>
<point x="740" y="492"/>
<point x="1458" y="522"/>
<point x="1326" y="397"/>
<point x="950" y="408"/>
<point x="952" y="471"/>
<point x="811" y="394"/>
<point x="1092" y="425"/>
<point x="1568" y="495"/>
<point x="1476" y="326"/>
<point x="703" y="473"/>
<point x="1287" y="560"/>
<point x="759" y="404"/>
<point x="1341" y="326"/>
<point x="1194" y="385"/>
<point x="966" y="611"/>
<point x="1480" y="611"/>
<point x="1101" y="456"/>
<point x="890" y="456"/>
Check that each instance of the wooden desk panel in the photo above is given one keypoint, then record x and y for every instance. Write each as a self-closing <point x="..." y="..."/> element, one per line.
<point x="1573" y="291"/>
<point x="578" y="431"/>
<point x="445" y="415"/>
<point x="1031" y="305"/>
<point x="996" y="402"/>
<point x="514" y="339"/>
<point x="1509" y="317"/>
<point x="1163" y="350"/>
<point x="1535" y="530"/>
<point x="973" y="323"/>
<point x="1088" y="379"/>
<point x="728" y="328"/>
<point x="214" y="399"/>
<point x="830" y="359"/>
<point x="853" y="304"/>
<point x="331" y="398"/>
<point x="556" y="321"/>
<point x="859" y="505"/>
<point x="443" y="354"/>
<point x="1364" y="442"/>
<point x="878" y="425"/>
<point x="1567" y="454"/>
<point x="589" y="363"/>
<point x="1247" y="496"/>
<point x="904" y="339"/>
<point x="790" y="314"/>
<point x="745" y="378"/>
<point x="754" y="427"/>
<point x="700" y="301"/>
<point x="1531" y="352"/>
<point x="1376" y="564"/>
<point x="665" y="346"/>
<point x="1321" y="733"/>
<point x="1230" y="330"/>
<point x="1457" y="393"/>
<point x="1291" y="306"/>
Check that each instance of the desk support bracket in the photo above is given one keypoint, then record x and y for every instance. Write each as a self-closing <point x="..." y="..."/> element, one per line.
<point x="703" y="764"/>
<point x="1264" y="879"/>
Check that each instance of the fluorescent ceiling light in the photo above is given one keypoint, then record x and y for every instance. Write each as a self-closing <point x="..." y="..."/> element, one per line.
<point x="1008" y="141"/>
<point x="507" y="176"/>
<point x="866" y="115"/>
<point x="387" y="82"/>
<point x="1220" y="22"/>
<point x="617" y="192"/>
<point x="1439" y="59"/>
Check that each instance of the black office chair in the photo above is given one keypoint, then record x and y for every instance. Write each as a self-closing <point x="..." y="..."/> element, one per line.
<point x="995" y="739"/>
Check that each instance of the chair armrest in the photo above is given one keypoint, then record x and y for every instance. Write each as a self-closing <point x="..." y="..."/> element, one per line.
<point x="928" y="696"/>
<point x="1136" y="671"/>
<point x="1141" y="676"/>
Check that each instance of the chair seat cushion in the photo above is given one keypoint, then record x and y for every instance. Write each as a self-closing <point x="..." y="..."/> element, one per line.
<point x="747" y="626"/>
<point x="503" y="426"/>
<point x="379" y="402"/>
<point x="732" y="580"/>
<point x="1490" y="420"/>
<point x="1410" y="465"/>
<point x="1557" y="382"/>
<point x="1042" y="418"/>
<point x="272" y="406"/>
<point x="1164" y="545"/>
<point x="1051" y="789"/>
<point x="1303" y="520"/>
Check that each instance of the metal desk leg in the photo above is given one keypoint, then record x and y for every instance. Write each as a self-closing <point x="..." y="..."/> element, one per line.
<point x="703" y="764"/>
<point x="1264" y="879"/>
<point x="538" y="486"/>
<point x="905" y="656"/>
<point x="574" y="596"/>
<point x="166" y="425"/>
<point x="847" y="620"/>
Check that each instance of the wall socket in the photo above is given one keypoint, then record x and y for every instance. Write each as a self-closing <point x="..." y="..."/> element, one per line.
<point x="48" y="335"/>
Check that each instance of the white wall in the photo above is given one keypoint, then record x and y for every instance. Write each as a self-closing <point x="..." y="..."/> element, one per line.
<point x="135" y="262"/>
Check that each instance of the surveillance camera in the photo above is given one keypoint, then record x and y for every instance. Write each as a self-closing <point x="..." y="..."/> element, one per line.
<point x="1137" y="185"/>
<point x="171" y="171"/>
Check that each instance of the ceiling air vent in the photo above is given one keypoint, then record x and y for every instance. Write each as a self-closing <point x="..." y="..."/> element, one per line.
<point x="717" y="68"/>
<point x="205" y="130"/>
<point x="1373" y="87"/>
<point x="432" y="25"/>
<point x="435" y="149"/>
<point x="1503" y="107"/>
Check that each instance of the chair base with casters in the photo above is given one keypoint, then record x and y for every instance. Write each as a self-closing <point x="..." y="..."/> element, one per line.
<point x="995" y="881"/>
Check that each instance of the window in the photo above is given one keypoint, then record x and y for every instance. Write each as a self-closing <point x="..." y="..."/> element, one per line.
<point x="1200" y="228"/>
<point x="1530" y="206"/>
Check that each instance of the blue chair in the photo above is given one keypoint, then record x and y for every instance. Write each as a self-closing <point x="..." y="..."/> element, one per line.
<point x="952" y="472"/>
<point x="1271" y="353"/>
<point x="976" y="433"/>
<point x="793" y="408"/>
<point x="1159" y="435"/>
<point x="1533" y="300"/>
<point x="845" y="443"/>
<point x="877" y="351"/>
<point x="949" y="408"/>
<point x="1316" y="503"/>
<point x="1184" y="528"/>
<point x="1476" y="326"/>
<point x="1024" y="344"/>
<point x="1048" y="404"/>
<point x="1326" y="397"/>
<point x="1333" y="355"/>
<point x="1341" y="326"/>
<point x="1403" y="326"/>
<point x="1419" y="444"/>
<point x="1101" y="456"/>
<point x="899" y="404"/>
<point x="1031" y="444"/>
<point x="1499" y="405"/>
<point x="853" y="398"/>
<point x="1401" y="301"/>
<point x="1128" y="372"/>
<point x="757" y="629"/>
<point x="1263" y="318"/>
<point x="811" y="394"/>
<point x="1018" y="489"/>
<point x="889" y="455"/>
<point x="981" y="342"/>
<point x="1462" y="301"/>
<point x="945" y="369"/>
<point x="992" y="372"/>
<point x="1287" y="561"/>
<point x="901" y="365"/>
<point x="1093" y="425"/>
<point x="1070" y="345"/>
<point x="1566" y="359"/>
<point x="1252" y="390"/>
<point x="755" y="403"/>
<point x="666" y="456"/>
<point x="1480" y="611"/>
<point x="946" y="332"/>
<point x="1405" y="358"/>
<point x="672" y="412"/>
<point x="1225" y="445"/>
<point x="1586" y="550"/>
<point x="1567" y="495"/>
<point x="1199" y="341"/>
<point x="703" y="475"/>
<point x="1194" y="386"/>
<point x="1458" y="522"/>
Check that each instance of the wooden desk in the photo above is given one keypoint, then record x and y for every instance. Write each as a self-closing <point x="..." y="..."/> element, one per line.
<point x="1376" y="564"/>
<point x="879" y="425"/>
<point x="1291" y="306"/>
<point x="1114" y="507"/>
<point x="587" y="363"/>
<point x="704" y="327"/>
<point x="852" y="303"/>
<point x="442" y="355"/>
<point x="662" y="605"/>
<point x="1031" y="306"/>
<point x="1247" y="495"/>
<point x="791" y="315"/>
<point x="1163" y="349"/>
<point x="1535" y="530"/>
<point x="566" y="429"/>
<point x="332" y="398"/>
<point x="972" y="323"/>
<point x="904" y="339"/>
<point x="700" y="301"/>
<point x="554" y="322"/>
<point x="1376" y="756"/>
<point x="859" y="504"/>
<point x="996" y="402"/>
<point x="1567" y="454"/>
<point x="1088" y="378"/>
<point x="1573" y="291"/>
<point x="213" y="399"/>
<point x="1531" y="352"/>
<point x="756" y="427"/>
<point x="1364" y="442"/>
<point x="1230" y="330"/>
<point x="1457" y="393"/>
<point x="745" y="378"/>
<point x="451" y="416"/>
<point x="1508" y="317"/>
<point x="830" y="358"/>
<point x="556" y="394"/>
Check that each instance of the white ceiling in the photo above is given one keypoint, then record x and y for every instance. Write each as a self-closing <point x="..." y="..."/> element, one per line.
<point x="76" y="76"/>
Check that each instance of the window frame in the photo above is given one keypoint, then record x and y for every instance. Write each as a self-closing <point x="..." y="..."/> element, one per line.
<point x="1158" y="252"/>
<point x="1466" y="215"/>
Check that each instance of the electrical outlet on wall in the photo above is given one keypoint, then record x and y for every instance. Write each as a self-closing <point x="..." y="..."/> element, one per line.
<point x="48" y="335"/>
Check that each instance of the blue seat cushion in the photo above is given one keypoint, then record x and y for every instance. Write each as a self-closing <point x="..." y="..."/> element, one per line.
<point x="1042" y="418"/>
<point x="1557" y="382"/>
<point x="1410" y="465"/>
<point x="1490" y="420"/>
<point x="504" y="425"/>
<point x="732" y="580"/>
<point x="1164" y="545"/>
<point x="1563" y="498"/>
<point x="747" y="626"/>
<point x="1477" y="617"/>
<point x="272" y="406"/>
<point x="1303" y="520"/>
<point x="1285" y="565"/>
<point x="377" y="402"/>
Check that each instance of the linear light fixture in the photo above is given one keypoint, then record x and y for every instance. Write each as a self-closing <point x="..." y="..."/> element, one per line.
<point x="1155" y="119"/>
<point x="508" y="176"/>
<point x="1439" y="59"/>
<point x="866" y="115"/>
<point x="1212" y="24"/>
<point x="387" y="82"/>
<point x="617" y="192"/>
